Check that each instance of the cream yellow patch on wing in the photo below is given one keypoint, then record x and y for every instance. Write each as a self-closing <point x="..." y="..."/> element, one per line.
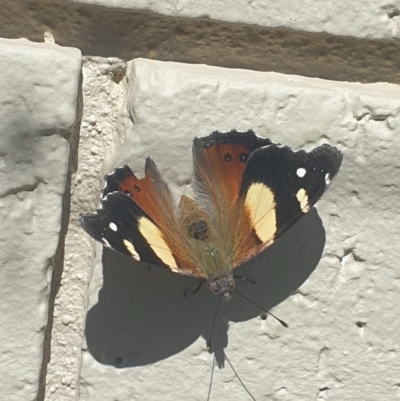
<point x="260" y="202"/>
<point x="157" y="243"/>
<point x="129" y="246"/>
<point x="303" y="200"/>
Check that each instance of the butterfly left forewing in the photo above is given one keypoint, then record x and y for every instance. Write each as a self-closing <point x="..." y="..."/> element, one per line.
<point x="138" y="217"/>
<point x="118" y="225"/>
<point x="278" y="187"/>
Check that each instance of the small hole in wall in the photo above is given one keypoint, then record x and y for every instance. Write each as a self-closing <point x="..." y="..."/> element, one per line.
<point x="394" y="13"/>
<point x="361" y="324"/>
<point x="263" y="316"/>
<point x="118" y="72"/>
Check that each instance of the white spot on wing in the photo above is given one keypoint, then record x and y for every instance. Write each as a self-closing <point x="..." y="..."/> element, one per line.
<point x="106" y="243"/>
<point x="327" y="179"/>
<point x="113" y="226"/>
<point x="301" y="172"/>
<point x="131" y="249"/>
<point x="104" y="199"/>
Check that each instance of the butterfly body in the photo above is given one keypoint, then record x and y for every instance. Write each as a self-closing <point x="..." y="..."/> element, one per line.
<point x="246" y="192"/>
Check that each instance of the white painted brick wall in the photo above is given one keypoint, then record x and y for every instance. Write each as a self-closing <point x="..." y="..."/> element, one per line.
<point x="39" y="89"/>
<point x="137" y="316"/>
<point x="123" y="331"/>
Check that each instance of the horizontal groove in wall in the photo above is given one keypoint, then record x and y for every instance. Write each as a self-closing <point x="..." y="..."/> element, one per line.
<point x="127" y="35"/>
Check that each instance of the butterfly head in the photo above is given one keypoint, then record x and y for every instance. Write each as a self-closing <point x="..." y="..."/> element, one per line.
<point x="223" y="286"/>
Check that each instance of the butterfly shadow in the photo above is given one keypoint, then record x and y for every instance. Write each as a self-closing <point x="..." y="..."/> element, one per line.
<point x="142" y="316"/>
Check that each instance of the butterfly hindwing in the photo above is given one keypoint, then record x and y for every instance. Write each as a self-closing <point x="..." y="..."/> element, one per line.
<point x="219" y="160"/>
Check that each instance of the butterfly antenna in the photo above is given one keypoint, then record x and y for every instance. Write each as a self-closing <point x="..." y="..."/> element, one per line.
<point x="240" y="380"/>
<point x="211" y="379"/>
<point x="213" y="323"/>
<point x="284" y="324"/>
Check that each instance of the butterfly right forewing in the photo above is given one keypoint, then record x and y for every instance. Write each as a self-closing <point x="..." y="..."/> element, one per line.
<point x="278" y="187"/>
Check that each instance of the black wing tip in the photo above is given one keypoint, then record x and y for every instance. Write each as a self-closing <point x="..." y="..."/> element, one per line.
<point x="333" y="154"/>
<point x="88" y="216"/>
<point x="123" y="170"/>
<point x="84" y="217"/>
<point x="92" y="222"/>
<point x="112" y="179"/>
<point x="329" y="148"/>
<point x="87" y="222"/>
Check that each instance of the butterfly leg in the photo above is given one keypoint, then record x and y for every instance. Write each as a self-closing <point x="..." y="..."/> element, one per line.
<point x="244" y="278"/>
<point x="196" y="290"/>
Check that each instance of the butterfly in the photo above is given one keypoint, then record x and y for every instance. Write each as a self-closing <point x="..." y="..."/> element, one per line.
<point x="246" y="192"/>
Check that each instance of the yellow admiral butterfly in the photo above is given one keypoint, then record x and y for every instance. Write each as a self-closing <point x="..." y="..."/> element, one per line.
<point x="246" y="192"/>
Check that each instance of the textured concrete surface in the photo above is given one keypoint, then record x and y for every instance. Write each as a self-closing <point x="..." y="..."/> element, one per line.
<point x="374" y="20"/>
<point x="121" y="330"/>
<point x="108" y="32"/>
<point x="39" y="87"/>
<point x="102" y="95"/>
<point x="333" y="277"/>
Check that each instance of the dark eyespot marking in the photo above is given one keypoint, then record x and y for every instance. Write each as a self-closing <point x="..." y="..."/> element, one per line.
<point x="228" y="157"/>
<point x="243" y="157"/>
<point x="137" y="188"/>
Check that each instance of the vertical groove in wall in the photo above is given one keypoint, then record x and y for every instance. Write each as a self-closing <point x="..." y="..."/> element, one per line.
<point x="58" y="260"/>
<point x="103" y="98"/>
